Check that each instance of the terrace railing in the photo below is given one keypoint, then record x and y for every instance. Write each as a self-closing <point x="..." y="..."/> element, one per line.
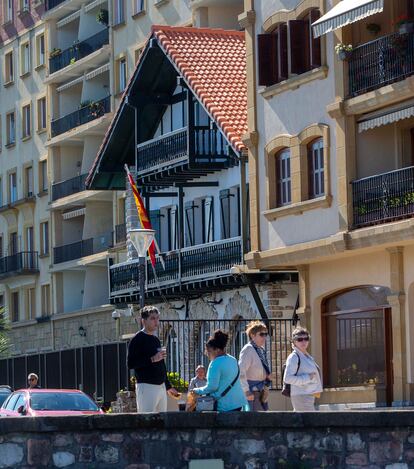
<point x="82" y="248"/>
<point x="25" y="261"/>
<point x="380" y="62"/>
<point x="78" y="51"/>
<point x="384" y="197"/>
<point x="68" y="187"/>
<point x="83" y="115"/>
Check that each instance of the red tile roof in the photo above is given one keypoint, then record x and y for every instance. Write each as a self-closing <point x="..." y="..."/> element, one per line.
<point x="213" y="63"/>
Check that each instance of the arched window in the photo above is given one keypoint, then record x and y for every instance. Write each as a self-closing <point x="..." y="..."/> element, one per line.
<point x="356" y="333"/>
<point x="283" y="177"/>
<point x="316" y="169"/>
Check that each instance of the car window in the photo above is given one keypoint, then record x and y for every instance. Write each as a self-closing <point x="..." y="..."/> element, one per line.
<point x="3" y="396"/>
<point x="10" y="403"/>
<point x="61" y="401"/>
<point x="20" y="401"/>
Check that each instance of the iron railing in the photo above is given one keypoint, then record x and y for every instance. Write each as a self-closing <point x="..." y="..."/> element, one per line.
<point x="25" y="261"/>
<point x="120" y="233"/>
<point x="68" y="187"/>
<point x="78" y="51"/>
<point x="196" y="262"/>
<point x="53" y="3"/>
<point x="83" y="115"/>
<point x="385" y="197"/>
<point x="380" y="62"/>
<point x="185" y="341"/>
<point x="85" y="247"/>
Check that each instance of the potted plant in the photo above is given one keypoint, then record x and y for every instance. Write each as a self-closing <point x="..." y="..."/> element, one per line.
<point x="373" y="28"/>
<point x="97" y="109"/>
<point x="404" y="24"/>
<point x="55" y="52"/>
<point x="102" y="17"/>
<point x="86" y="103"/>
<point x="343" y="51"/>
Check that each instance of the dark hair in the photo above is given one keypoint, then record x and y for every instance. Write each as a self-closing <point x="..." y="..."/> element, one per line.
<point x="218" y="340"/>
<point x="147" y="310"/>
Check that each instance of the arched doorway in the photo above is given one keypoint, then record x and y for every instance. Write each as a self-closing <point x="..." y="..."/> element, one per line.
<point x="357" y="340"/>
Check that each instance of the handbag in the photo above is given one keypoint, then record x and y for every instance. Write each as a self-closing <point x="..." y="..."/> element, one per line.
<point x="286" y="386"/>
<point x="209" y="403"/>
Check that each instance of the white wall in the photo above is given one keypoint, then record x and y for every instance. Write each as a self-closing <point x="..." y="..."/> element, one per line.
<point x="96" y="291"/>
<point x="73" y="290"/>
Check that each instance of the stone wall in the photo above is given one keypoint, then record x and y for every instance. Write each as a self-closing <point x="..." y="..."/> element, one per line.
<point x="372" y="440"/>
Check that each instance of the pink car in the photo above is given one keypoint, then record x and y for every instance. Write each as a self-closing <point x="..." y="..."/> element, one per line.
<point x="48" y="402"/>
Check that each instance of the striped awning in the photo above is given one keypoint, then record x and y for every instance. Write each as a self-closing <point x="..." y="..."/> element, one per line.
<point x="386" y="116"/>
<point x="74" y="213"/>
<point x="74" y="82"/>
<point x="97" y="71"/>
<point x="346" y="12"/>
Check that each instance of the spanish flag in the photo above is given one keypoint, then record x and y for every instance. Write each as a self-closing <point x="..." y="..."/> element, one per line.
<point x="142" y="213"/>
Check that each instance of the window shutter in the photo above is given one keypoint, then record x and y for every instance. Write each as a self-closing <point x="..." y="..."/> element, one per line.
<point x="116" y="11"/>
<point x="225" y="213"/>
<point x="208" y="219"/>
<point x="311" y="173"/>
<point x="297" y="33"/>
<point x="189" y="223"/>
<point x="155" y="219"/>
<point x="283" y="52"/>
<point x="316" y="59"/>
<point x="267" y="58"/>
<point x="235" y="228"/>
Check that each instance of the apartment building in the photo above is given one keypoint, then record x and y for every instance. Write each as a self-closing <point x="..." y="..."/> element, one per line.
<point x="331" y="136"/>
<point x="25" y="281"/>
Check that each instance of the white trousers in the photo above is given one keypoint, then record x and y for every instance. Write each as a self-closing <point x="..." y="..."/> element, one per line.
<point x="151" y="397"/>
<point x="303" y="402"/>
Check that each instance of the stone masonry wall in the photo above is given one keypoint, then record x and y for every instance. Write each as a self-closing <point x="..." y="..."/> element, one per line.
<point x="371" y="440"/>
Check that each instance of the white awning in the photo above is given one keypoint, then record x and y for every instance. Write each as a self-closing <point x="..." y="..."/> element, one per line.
<point x="346" y="12"/>
<point x="74" y="82"/>
<point x="74" y="213"/>
<point x="386" y="116"/>
<point x="97" y="71"/>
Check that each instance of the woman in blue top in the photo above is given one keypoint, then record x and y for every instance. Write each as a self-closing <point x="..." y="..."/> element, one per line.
<point x="222" y="371"/>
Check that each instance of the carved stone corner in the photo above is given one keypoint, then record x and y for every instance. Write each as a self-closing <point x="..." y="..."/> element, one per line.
<point x="247" y="18"/>
<point x="251" y="139"/>
<point x="336" y="109"/>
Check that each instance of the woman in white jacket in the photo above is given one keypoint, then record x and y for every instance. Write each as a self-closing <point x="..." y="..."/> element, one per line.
<point x="302" y="373"/>
<point x="255" y="368"/>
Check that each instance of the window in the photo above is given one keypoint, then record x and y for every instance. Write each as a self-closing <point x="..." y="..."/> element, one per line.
<point x="44" y="238"/>
<point x="15" y="306"/>
<point x="169" y="228"/>
<point x="9" y="10"/>
<point x="13" y="247"/>
<point x="46" y="300"/>
<point x="43" y="182"/>
<point x="9" y="68"/>
<point x="122" y="74"/>
<point x="40" y="50"/>
<point x="12" y="187"/>
<point x="292" y="40"/>
<point x="283" y="179"/>
<point x="30" y="303"/>
<point x="24" y="5"/>
<point x="316" y="169"/>
<point x="175" y="115"/>
<point x="1" y="255"/>
<point x="139" y="6"/>
<point x="26" y="121"/>
<point x="1" y="193"/>
<point x="41" y="114"/>
<point x="118" y="12"/>
<point x="28" y="176"/>
<point x="29" y="239"/>
<point x="230" y="212"/>
<point x="11" y="128"/>
<point x="24" y="58"/>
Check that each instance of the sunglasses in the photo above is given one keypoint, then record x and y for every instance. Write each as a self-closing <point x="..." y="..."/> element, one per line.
<point x="302" y="339"/>
<point x="32" y="379"/>
<point x="263" y="334"/>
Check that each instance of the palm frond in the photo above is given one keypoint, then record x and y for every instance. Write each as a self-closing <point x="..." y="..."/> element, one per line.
<point x="4" y="329"/>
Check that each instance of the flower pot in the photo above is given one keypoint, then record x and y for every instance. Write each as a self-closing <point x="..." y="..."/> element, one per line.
<point x="343" y="54"/>
<point x="406" y="28"/>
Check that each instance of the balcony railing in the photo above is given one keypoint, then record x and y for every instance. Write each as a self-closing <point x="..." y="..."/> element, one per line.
<point x="201" y="145"/>
<point x="83" y="248"/>
<point x="53" y="3"/>
<point x="185" y="342"/>
<point x="68" y="187"/>
<point x="81" y="116"/>
<point x="383" y="198"/>
<point x="120" y="233"/>
<point x="380" y="62"/>
<point x="78" y="51"/>
<point x="201" y="262"/>
<point x="19" y="263"/>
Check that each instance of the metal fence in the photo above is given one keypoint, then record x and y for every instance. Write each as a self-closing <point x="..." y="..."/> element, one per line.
<point x="19" y="262"/>
<point x="185" y="342"/>
<point x="380" y="62"/>
<point x="385" y="197"/>
<point x="85" y="247"/>
<point x="68" y="187"/>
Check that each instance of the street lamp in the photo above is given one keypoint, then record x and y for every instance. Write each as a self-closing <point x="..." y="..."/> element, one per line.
<point x="141" y="239"/>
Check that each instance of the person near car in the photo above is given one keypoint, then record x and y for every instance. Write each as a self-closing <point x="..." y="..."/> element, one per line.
<point x="255" y="368"/>
<point x="146" y="357"/>
<point x="302" y="373"/>
<point x="222" y="372"/>
<point x="33" y="381"/>
<point x="199" y="379"/>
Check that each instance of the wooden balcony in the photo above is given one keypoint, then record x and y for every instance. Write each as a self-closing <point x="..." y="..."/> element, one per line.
<point x="381" y="62"/>
<point x="182" y="155"/>
<point x="383" y="198"/>
<point x="21" y="263"/>
<point x="205" y="266"/>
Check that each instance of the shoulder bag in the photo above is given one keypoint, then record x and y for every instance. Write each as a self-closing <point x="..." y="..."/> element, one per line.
<point x="209" y="403"/>
<point x="286" y="386"/>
